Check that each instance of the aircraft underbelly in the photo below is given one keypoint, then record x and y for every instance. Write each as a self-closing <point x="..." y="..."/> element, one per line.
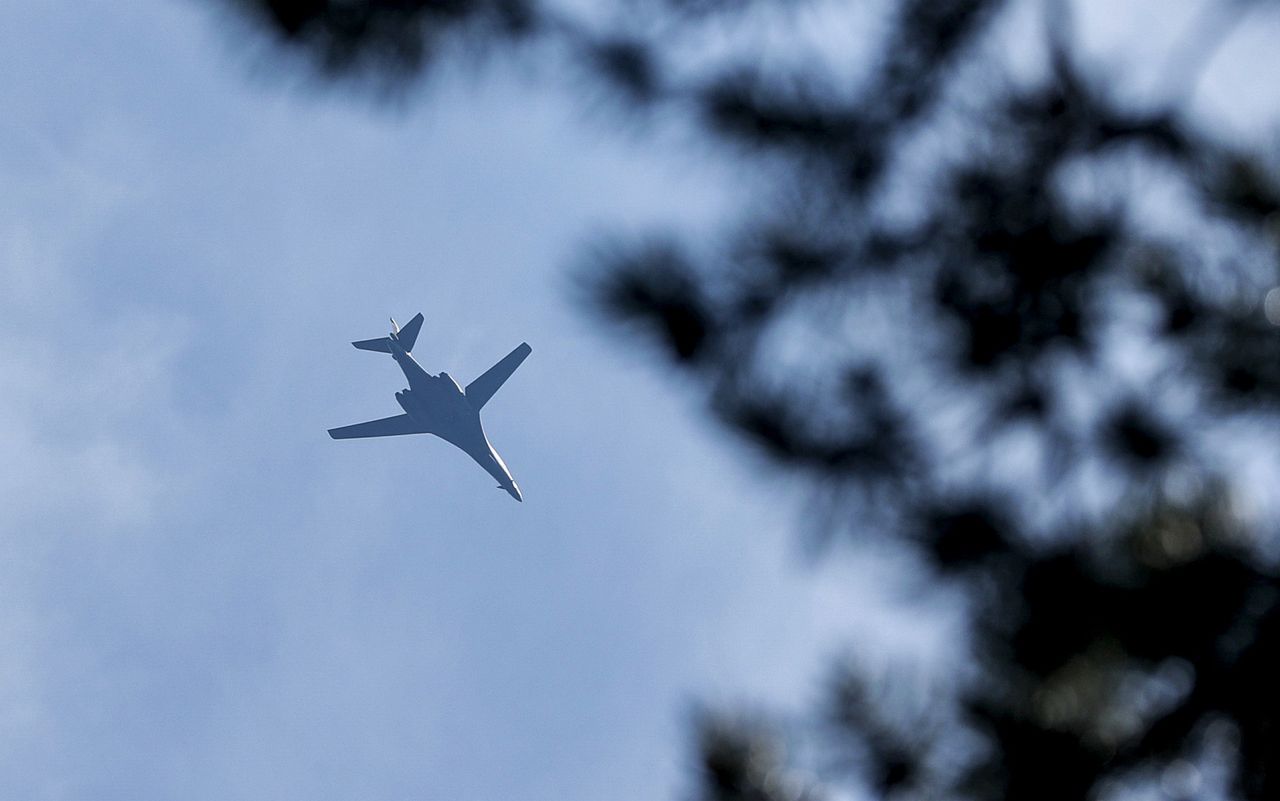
<point x="455" y="423"/>
<point x="487" y="458"/>
<point x="451" y="417"/>
<point x="436" y="413"/>
<point x="465" y="432"/>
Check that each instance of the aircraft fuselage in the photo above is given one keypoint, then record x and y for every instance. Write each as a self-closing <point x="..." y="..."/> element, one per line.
<point x="439" y="405"/>
<point x="436" y="404"/>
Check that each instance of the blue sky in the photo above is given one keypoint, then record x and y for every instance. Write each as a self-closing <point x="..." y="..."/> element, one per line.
<point x="201" y="595"/>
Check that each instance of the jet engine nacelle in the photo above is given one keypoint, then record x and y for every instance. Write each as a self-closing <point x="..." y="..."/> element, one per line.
<point x="402" y="397"/>
<point x="450" y="379"/>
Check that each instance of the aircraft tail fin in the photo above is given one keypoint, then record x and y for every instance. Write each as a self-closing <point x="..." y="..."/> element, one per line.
<point x="406" y="336"/>
<point x="481" y="390"/>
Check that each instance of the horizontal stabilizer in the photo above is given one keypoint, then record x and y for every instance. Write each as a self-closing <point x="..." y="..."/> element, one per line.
<point x="386" y="427"/>
<point x="381" y="345"/>
<point x="409" y="333"/>
<point x="481" y="390"/>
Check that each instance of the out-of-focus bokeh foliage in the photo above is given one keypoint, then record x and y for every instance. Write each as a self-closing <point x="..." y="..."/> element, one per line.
<point x="995" y="309"/>
<point x="386" y="40"/>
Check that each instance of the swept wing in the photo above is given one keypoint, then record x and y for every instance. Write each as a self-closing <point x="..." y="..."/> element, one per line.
<point x="386" y="427"/>
<point x="481" y="390"/>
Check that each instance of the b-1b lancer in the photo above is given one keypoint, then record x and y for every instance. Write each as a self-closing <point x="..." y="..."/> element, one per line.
<point x="435" y="404"/>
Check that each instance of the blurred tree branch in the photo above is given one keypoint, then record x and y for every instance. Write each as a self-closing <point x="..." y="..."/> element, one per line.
<point x="1066" y="273"/>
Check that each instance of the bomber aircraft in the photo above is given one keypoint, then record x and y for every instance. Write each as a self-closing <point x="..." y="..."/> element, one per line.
<point x="435" y="404"/>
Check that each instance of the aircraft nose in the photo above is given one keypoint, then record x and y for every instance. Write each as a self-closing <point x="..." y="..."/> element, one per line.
<point x="515" y="492"/>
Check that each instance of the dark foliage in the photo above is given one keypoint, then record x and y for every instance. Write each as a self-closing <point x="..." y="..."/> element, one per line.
<point x="385" y="39"/>
<point x="996" y="225"/>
